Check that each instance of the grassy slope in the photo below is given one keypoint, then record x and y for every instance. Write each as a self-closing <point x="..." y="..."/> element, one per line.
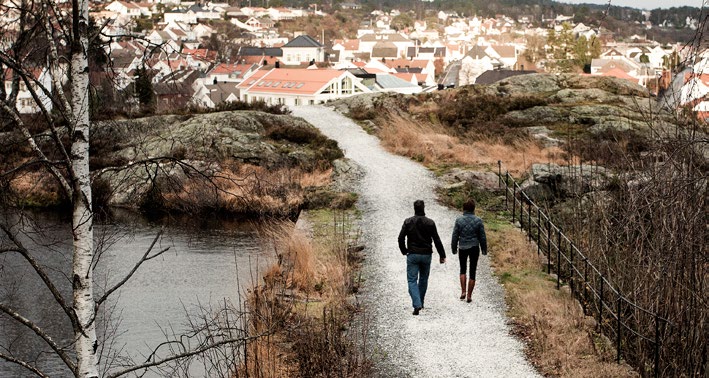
<point x="560" y="340"/>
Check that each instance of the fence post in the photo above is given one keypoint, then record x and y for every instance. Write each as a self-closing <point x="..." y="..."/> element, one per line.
<point x="539" y="231"/>
<point x="571" y="266"/>
<point x="657" y="346"/>
<point x="600" y="308"/>
<point x="514" y="202"/>
<point x="585" y="284"/>
<point x="529" y="217"/>
<point x="521" y="209"/>
<point x="619" y="325"/>
<point x="499" y="174"/>
<point x="548" y="246"/>
<point x="507" y="180"/>
<point x="558" y="261"/>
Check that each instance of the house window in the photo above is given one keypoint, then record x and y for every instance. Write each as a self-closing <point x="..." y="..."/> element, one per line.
<point x="298" y="101"/>
<point x="311" y="102"/>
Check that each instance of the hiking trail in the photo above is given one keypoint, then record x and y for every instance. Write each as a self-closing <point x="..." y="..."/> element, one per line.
<point x="450" y="338"/>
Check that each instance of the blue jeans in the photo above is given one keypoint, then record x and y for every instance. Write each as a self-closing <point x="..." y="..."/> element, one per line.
<point x="417" y="269"/>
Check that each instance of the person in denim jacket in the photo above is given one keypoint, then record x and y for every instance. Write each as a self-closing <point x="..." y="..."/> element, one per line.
<point x="468" y="239"/>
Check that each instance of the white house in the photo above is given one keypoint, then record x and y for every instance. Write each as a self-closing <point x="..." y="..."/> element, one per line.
<point x="368" y="41"/>
<point x="507" y="55"/>
<point x="236" y="73"/>
<point x="180" y="15"/>
<point x="293" y="87"/>
<point x="25" y="103"/>
<point x="346" y="47"/>
<point x="302" y="49"/>
<point x="129" y="8"/>
<point x="475" y="62"/>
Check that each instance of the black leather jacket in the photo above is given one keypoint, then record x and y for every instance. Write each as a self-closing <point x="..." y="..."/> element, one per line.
<point x="418" y="232"/>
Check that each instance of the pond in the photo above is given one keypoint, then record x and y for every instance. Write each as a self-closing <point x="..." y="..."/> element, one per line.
<point x="210" y="261"/>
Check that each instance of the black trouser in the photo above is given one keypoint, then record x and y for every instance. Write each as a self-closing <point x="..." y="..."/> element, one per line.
<point x="463" y="255"/>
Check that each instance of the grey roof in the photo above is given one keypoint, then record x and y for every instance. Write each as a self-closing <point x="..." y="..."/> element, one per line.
<point x="303" y="41"/>
<point x="385" y="50"/>
<point x="260" y="51"/>
<point x="389" y="82"/>
<point x="477" y="52"/>
<point x="414" y="51"/>
<point x="197" y="8"/>
<point x="221" y="91"/>
<point x="409" y="69"/>
<point x="390" y="37"/>
<point x="177" y="82"/>
<point x="121" y="59"/>
<point x="493" y="76"/>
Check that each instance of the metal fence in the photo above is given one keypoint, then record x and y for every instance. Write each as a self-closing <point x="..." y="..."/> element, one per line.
<point x="617" y="317"/>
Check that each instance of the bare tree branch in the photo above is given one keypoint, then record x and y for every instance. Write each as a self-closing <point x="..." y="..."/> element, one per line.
<point x="183" y="355"/>
<point x="146" y="256"/>
<point x="43" y="335"/>
<point x="33" y="144"/>
<point x="24" y="364"/>
<point x="43" y="275"/>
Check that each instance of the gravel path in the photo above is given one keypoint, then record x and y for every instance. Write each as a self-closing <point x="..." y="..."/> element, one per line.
<point x="450" y="338"/>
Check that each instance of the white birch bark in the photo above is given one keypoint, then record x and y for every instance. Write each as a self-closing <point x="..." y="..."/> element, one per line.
<point x="86" y="343"/>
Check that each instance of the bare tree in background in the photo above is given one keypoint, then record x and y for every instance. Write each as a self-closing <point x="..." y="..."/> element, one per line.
<point x="44" y="64"/>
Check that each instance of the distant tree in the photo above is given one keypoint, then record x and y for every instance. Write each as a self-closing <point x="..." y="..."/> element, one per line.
<point x="535" y="49"/>
<point x="582" y="57"/>
<point x="644" y="58"/>
<point x="144" y="89"/>
<point x="402" y="21"/>
<point x="594" y="47"/>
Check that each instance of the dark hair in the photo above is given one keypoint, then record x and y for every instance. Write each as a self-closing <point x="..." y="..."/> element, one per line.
<point x="469" y="205"/>
<point x="418" y="207"/>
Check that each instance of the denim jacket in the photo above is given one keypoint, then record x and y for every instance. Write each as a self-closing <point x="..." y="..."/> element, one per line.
<point x="469" y="232"/>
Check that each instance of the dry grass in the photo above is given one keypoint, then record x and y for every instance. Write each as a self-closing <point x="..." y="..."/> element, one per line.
<point x="560" y="339"/>
<point x="243" y="189"/>
<point x="36" y="188"/>
<point x="431" y="144"/>
<point x="302" y="306"/>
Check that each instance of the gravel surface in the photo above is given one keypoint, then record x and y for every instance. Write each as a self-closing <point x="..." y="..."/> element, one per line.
<point x="450" y="338"/>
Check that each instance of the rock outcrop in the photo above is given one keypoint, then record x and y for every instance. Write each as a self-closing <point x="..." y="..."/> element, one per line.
<point x="175" y="161"/>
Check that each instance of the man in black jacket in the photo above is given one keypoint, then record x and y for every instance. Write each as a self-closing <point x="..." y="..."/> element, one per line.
<point x="415" y="239"/>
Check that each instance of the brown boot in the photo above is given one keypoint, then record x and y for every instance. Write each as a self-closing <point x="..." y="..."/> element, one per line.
<point x="462" y="286"/>
<point x="471" y="285"/>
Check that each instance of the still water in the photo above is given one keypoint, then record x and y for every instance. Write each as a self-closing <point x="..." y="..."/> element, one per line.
<point x="207" y="263"/>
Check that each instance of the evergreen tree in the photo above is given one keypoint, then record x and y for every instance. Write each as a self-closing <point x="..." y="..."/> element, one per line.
<point x="144" y="89"/>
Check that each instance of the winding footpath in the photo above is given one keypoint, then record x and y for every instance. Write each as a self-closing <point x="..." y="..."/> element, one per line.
<point x="450" y="338"/>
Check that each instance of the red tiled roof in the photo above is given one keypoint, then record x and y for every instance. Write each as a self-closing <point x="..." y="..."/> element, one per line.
<point x="349" y="44"/>
<point x="224" y="68"/>
<point x="203" y="54"/>
<point x="290" y="81"/>
<point x="617" y="72"/>
<point x="35" y="72"/>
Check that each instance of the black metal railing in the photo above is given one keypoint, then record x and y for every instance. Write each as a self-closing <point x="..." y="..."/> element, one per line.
<point x="636" y="331"/>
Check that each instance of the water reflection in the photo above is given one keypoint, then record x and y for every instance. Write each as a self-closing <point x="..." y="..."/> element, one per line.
<point x="207" y="259"/>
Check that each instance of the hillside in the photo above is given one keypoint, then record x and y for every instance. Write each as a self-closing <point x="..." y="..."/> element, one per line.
<point x="240" y="162"/>
<point x="625" y="180"/>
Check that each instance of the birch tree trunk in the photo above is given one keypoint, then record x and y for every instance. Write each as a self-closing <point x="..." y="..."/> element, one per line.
<point x="86" y="343"/>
